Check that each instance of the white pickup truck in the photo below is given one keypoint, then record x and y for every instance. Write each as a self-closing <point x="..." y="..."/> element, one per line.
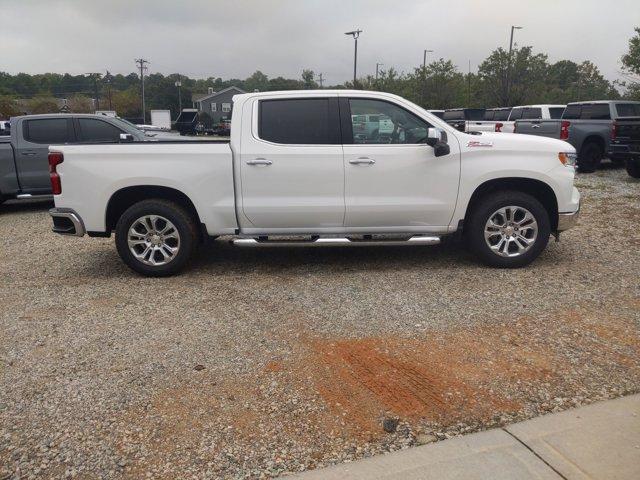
<point x="295" y="174"/>
<point x="504" y="119"/>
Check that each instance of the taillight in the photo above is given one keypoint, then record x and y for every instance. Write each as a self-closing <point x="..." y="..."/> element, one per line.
<point x="498" y="127"/>
<point x="564" y="130"/>
<point x="55" y="159"/>
<point x="614" y="131"/>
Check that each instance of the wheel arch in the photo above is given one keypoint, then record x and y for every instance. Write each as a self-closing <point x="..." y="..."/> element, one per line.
<point x="536" y="188"/>
<point x="597" y="139"/>
<point x="128" y="196"/>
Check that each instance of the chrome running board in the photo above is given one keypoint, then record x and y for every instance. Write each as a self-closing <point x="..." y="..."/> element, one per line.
<point x="335" y="242"/>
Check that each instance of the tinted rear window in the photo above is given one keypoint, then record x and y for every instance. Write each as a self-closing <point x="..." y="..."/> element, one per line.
<point x="556" y="112"/>
<point x="475" y="114"/>
<point x="48" y="131"/>
<point x="572" y="112"/>
<point x="453" y="115"/>
<point x="92" y="130"/>
<point x="516" y="114"/>
<point x="596" y="111"/>
<point x="489" y="114"/>
<point x="628" y="109"/>
<point x="298" y="122"/>
<point x="532" y="113"/>
<point x="502" y="115"/>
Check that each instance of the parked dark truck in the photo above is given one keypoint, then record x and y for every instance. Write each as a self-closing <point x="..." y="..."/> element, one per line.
<point x="593" y="128"/>
<point x="24" y="168"/>
<point x="628" y="133"/>
<point x="459" y="118"/>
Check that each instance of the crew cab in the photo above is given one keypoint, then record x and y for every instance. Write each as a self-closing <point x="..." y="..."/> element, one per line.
<point x="295" y="174"/>
<point x="592" y="128"/>
<point x="24" y="169"/>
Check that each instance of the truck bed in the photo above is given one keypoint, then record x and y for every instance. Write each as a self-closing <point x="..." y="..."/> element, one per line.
<point x="201" y="170"/>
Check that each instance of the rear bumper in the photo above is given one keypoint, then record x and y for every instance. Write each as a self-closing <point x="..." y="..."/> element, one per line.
<point x="67" y="222"/>
<point x="623" y="151"/>
<point x="568" y="220"/>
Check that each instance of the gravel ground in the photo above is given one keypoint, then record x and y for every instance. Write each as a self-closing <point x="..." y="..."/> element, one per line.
<point x="256" y="363"/>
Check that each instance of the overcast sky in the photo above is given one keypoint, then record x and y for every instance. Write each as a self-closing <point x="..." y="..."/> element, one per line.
<point x="282" y="37"/>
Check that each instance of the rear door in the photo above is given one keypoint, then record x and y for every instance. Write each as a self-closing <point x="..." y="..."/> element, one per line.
<point x="291" y="165"/>
<point x="537" y="125"/>
<point x="395" y="183"/>
<point x="33" y="150"/>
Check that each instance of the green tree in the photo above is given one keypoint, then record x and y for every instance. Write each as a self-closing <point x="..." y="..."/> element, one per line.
<point x="8" y="107"/>
<point x="43" y="105"/>
<point x="81" y="104"/>
<point x="631" y="65"/>
<point x="308" y="79"/>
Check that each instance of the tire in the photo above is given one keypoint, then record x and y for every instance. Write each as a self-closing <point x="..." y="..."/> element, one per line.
<point x="590" y="156"/>
<point x="521" y="246"/>
<point x="156" y="255"/>
<point x="633" y="167"/>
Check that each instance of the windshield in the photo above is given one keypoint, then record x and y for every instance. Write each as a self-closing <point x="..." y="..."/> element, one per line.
<point x="126" y="123"/>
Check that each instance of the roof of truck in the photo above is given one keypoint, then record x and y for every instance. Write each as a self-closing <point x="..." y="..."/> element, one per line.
<point x="588" y="102"/>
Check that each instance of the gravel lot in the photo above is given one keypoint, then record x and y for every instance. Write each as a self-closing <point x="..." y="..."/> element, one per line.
<point x="256" y="363"/>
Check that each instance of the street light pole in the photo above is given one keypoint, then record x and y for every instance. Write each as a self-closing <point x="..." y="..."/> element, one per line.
<point x="378" y="65"/>
<point x="355" y="34"/>
<point x="508" y="86"/>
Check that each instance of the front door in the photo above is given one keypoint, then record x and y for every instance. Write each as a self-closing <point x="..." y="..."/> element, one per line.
<point x="393" y="180"/>
<point x="292" y="166"/>
<point x="33" y="150"/>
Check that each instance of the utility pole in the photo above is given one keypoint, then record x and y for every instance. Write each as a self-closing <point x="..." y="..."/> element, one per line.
<point x="95" y="77"/>
<point x="508" y="86"/>
<point x="378" y="65"/>
<point x="141" y="62"/>
<point x="469" y="85"/>
<point x="320" y="79"/>
<point x="355" y="34"/>
<point x="179" y="84"/>
<point x="107" y="80"/>
<point x="424" y="58"/>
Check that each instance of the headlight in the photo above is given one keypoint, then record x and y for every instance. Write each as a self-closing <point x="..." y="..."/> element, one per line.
<point x="568" y="158"/>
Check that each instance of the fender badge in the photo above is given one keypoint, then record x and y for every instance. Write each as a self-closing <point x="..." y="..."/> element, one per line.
<point x="476" y="143"/>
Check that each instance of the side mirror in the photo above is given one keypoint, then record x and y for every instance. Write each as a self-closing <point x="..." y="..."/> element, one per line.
<point x="436" y="139"/>
<point x="126" y="137"/>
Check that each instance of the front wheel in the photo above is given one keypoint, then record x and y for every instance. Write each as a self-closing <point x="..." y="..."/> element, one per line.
<point x="156" y="237"/>
<point x="508" y="229"/>
<point x="633" y="167"/>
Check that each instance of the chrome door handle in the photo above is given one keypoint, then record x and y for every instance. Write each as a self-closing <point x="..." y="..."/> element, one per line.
<point x="28" y="154"/>
<point x="535" y="125"/>
<point x="259" y="161"/>
<point x="362" y="161"/>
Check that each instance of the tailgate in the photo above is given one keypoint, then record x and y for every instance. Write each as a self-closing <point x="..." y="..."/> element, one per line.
<point x="628" y="133"/>
<point x="542" y="128"/>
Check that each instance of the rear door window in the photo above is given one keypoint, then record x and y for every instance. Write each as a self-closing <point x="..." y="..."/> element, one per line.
<point x="49" y="131"/>
<point x="308" y="121"/>
<point x="93" y="130"/>
<point x="556" y="112"/>
<point x="596" y="111"/>
<point x="534" y="113"/>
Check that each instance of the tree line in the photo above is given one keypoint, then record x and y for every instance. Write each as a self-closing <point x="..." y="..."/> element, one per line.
<point x="524" y="77"/>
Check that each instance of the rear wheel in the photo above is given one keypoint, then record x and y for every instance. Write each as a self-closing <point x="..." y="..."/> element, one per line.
<point x="156" y="237"/>
<point x="508" y="229"/>
<point x="590" y="157"/>
<point x="633" y="167"/>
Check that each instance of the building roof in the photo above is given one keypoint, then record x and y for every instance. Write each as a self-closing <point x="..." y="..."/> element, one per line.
<point x="199" y="97"/>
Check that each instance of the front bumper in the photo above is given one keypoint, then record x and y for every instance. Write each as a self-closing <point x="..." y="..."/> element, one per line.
<point x="568" y="220"/>
<point x="67" y="222"/>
